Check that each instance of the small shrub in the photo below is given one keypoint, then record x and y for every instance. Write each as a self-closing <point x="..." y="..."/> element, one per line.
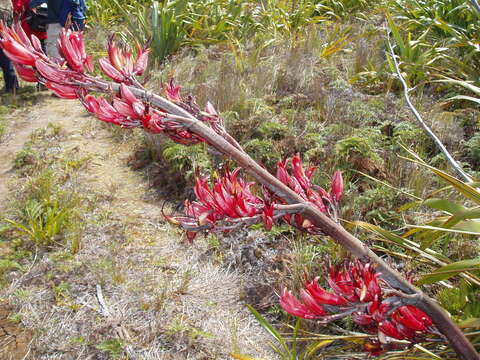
<point x="187" y="159"/>
<point x="355" y="144"/>
<point x="263" y="151"/>
<point x="377" y="205"/>
<point x="46" y="214"/>
<point x="473" y="149"/>
<point x="461" y="301"/>
<point x="273" y="130"/>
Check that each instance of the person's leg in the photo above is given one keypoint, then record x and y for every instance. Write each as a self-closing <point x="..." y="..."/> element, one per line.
<point x="43" y="43"/>
<point x="9" y="75"/>
<point x="53" y="32"/>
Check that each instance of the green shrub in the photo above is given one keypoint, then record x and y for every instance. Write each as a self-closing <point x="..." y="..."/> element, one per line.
<point x="273" y="130"/>
<point x="378" y="205"/>
<point x="473" y="149"/>
<point x="355" y="145"/>
<point x="461" y="301"/>
<point x="187" y="159"/>
<point x="263" y="151"/>
<point x="46" y="214"/>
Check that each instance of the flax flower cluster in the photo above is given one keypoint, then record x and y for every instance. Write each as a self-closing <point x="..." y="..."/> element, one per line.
<point x="358" y="291"/>
<point x="69" y="77"/>
<point x="230" y="202"/>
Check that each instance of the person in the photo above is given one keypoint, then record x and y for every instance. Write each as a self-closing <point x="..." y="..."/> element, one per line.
<point x="21" y="9"/>
<point x="59" y="13"/>
<point x="9" y="76"/>
<point x="73" y="15"/>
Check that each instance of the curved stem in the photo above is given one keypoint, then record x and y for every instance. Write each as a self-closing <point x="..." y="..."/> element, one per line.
<point x="422" y="123"/>
<point x="475" y="5"/>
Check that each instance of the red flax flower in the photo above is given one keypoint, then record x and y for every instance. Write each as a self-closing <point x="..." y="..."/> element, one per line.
<point x="120" y="65"/>
<point x="230" y="203"/>
<point x="18" y="46"/>
<point x="300" y="180"/>
<point x="358" y="291"/>
<point x="126" y="110"/>
<point x="26" y="73"/>
<point x="71" y="46"/>
<point x="225" y="205"/>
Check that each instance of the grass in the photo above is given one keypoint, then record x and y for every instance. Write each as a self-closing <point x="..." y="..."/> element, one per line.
<point x="45" y="212"/>
<point x="3" y="127"/>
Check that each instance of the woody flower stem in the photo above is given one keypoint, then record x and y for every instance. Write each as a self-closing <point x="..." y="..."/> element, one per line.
<point x="415" y="296"/>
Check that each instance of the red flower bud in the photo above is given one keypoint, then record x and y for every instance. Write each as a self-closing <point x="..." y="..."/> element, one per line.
<point x="389" y="329"/>
<point x="173" y="92"/>
<point x="409" y="318"/>
<point x="323" y="296"/>
<point x="25" y="73"/>
<point x="110" y="71"/>
<point x="290" y="304"/>
<point x="267" y="217"/>
<point x="337" y="186"/>
<point x="142" y="62"/>
<point x="63" y="91"/>
<point x="17" y="52"/>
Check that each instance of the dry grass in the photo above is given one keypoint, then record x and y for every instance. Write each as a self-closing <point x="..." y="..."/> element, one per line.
<point x="166" y="298"/>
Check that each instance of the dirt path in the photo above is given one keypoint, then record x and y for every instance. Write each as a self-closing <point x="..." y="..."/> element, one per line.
<point x="164" y="299"/>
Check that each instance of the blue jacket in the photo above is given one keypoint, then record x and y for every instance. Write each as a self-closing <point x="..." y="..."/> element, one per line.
<point x="76" y="8"/>
<point x="58" y="10"/>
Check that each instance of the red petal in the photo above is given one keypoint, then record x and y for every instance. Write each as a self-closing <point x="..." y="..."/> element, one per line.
<point x="25" y="73"/>
<point x="142" y="62"/>
<point x="110" y="71"/>
<point x="63" y="91"/>
<point x="311" y="304"/>
<point x="18" y="53"/>
<point x="299" y="173"/>
<point x="323" y="296"/>
<point x="91" y="104"/>
<point x="337" y="186"/>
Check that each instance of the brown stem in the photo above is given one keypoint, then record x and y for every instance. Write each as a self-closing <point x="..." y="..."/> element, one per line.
<point x="457" y="339"/>
<point x="455" y="336"/>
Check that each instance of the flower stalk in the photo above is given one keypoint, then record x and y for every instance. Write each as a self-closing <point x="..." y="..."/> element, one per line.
<point x="290" y="194"/>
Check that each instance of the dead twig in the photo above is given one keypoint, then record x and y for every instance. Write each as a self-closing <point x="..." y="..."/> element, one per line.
<point x="419" y="118"/>
<point x="120" y="330"/>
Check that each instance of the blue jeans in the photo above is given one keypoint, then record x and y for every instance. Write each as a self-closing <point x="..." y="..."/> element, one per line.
<point x="9" y="75"/>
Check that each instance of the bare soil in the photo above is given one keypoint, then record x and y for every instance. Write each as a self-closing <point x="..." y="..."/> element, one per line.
<point x="14" y="339"/>
<point x="135" y="289"/>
